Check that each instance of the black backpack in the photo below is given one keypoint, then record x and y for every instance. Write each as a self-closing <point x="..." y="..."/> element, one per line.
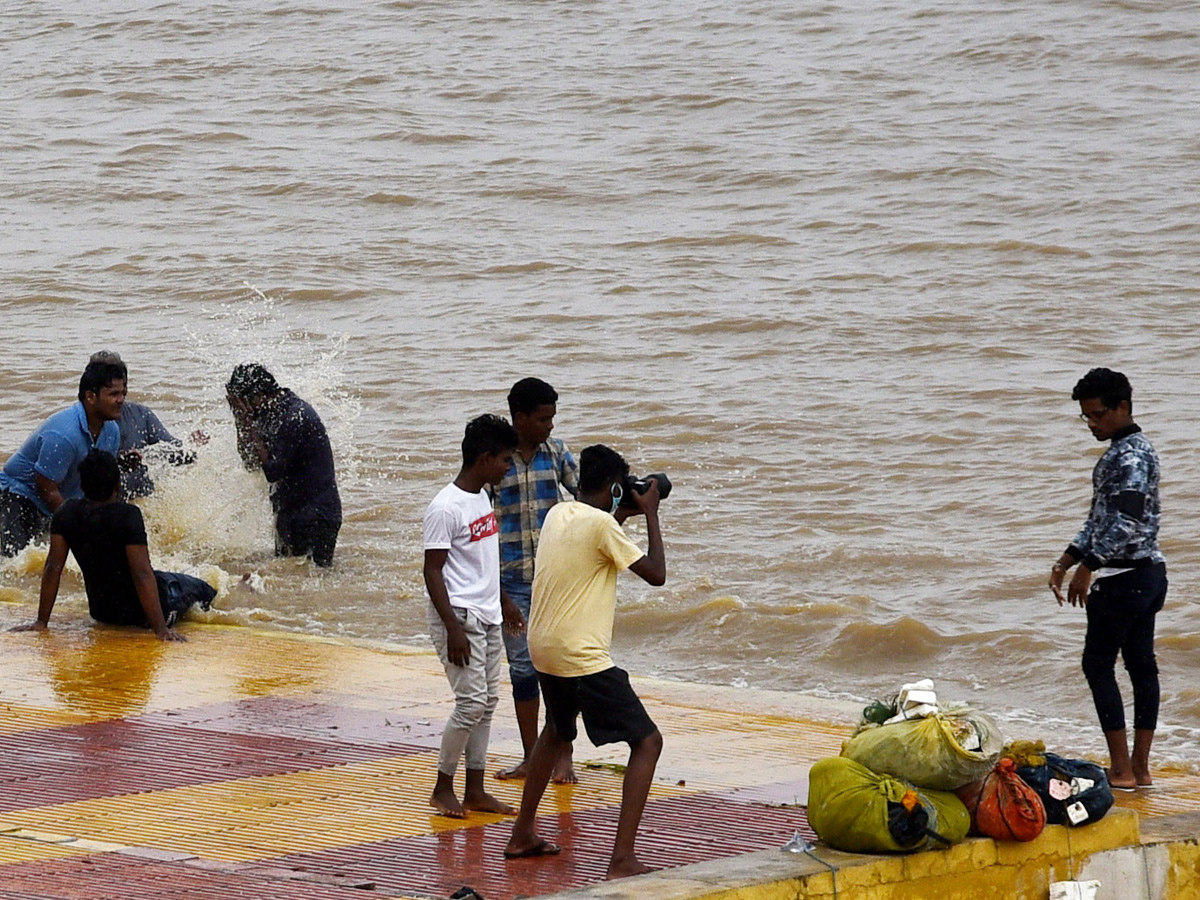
<point x="1083" y="803"/>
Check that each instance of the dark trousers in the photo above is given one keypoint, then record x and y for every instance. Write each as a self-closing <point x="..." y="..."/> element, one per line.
<point x="1120" y="619"/>
<point x="305" y="536"/>
<point x="21" y="523"/>
<point x="177" y="593"/>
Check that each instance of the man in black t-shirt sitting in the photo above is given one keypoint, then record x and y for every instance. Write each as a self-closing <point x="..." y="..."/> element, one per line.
<point x="108" y="539"/>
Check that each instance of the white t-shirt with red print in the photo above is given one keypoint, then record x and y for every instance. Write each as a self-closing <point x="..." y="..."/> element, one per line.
<point x="465" y="524"/>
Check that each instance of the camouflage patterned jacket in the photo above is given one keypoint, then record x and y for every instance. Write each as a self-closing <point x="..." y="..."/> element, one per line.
<point x="1122" y="528"/>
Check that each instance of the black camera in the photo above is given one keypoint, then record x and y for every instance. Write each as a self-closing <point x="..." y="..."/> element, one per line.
<point x="641" y="485"/>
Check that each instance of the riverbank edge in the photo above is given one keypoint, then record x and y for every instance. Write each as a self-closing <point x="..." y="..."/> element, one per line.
<point x="1133" y="859"/>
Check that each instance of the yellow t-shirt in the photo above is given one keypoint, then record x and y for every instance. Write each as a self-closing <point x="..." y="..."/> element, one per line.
<point x="579" y="554"/>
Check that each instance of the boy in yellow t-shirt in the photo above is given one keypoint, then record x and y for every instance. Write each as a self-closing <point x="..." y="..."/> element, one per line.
<point x="581" y="550"/>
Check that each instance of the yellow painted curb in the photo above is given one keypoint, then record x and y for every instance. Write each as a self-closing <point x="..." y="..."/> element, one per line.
<point x="977" y="869"/>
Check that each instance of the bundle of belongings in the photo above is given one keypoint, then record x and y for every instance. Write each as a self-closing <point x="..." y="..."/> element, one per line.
<point x="918" y="774"/>
<point x="1003" y="806"/>
<point x="854" y="809"/>
<point x="1073" y="791"/>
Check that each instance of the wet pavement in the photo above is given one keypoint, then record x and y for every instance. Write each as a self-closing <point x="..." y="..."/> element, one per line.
<point x="250" y="763"/>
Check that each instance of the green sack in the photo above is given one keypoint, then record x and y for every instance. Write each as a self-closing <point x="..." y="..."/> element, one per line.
<point x="929" y="752"/>
<point x="853" y="809"/>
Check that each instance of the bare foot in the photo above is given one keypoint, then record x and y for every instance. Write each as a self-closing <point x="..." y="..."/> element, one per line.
<point x="1143" y="778"/>
<point x="512" y="773"/>
<point x="626" y="867"/>
<point x="564" y="771"/>
<point x="485" y="802"/>
<point x="1121" y="781"/>
<point x="447" y="804"/>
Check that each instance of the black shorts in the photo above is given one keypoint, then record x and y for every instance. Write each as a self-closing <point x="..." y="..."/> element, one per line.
<point x="611" y="711"/>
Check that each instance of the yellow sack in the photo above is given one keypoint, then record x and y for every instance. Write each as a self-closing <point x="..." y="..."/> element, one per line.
<point x="853" y="809"/>
<point x="930" y="752"/>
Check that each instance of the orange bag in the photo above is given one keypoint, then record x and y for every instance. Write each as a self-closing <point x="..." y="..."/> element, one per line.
<point x="1002" y="806"/>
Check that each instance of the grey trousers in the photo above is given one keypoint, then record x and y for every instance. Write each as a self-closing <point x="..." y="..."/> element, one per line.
<point x="476" y="689"/>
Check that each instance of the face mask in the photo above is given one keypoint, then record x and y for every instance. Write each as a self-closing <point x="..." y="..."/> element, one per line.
<point x="617" y="491"/>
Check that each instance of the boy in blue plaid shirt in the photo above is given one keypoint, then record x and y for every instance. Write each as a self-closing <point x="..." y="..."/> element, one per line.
<point x="541" y="466"/>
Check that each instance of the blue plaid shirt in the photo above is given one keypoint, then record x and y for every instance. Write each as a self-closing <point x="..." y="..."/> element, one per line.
<point x="522" y="501"/>
<point x="1122" y="526"/>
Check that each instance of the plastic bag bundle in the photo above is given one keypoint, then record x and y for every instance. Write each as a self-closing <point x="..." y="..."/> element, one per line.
<point x="943" y="751"/>
<point x="911" y="702"/>
<point x="879" y="711"/>
<point x="1074" y="791"/>
<point x="1025" y="753"/>
<point x="853" y="809"/>
<point x="1002" y="806"/>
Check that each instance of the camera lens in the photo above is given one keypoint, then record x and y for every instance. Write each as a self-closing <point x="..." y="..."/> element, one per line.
<point x="641" y="485"/>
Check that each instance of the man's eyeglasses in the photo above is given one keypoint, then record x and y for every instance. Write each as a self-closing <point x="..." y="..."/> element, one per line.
<point x="1094" y="416"/>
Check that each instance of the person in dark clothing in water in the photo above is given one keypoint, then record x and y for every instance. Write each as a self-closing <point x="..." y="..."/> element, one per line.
<point x="108" y="538"/>
<point x="282" y="435"/>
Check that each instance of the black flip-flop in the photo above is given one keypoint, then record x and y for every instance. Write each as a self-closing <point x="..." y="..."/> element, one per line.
<point x="541" y="848"/>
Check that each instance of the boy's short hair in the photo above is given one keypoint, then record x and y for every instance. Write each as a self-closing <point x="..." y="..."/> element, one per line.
<point x="251" y="380"/>
<point x="528" y="394"/>
<point x="487" y="434"/>
<point x="599" y="465"/>
<point x="1105" y="385"/>
<point x="99" y="475"/>
<point x="99" y="375"/>
<point x="108" y="356"/>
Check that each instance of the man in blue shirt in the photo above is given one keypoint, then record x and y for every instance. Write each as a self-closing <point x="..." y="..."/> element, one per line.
<point x="45" y="471"/>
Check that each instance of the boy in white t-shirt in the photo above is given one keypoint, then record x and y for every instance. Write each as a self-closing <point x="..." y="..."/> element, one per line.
<point x="467" y="609"/>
